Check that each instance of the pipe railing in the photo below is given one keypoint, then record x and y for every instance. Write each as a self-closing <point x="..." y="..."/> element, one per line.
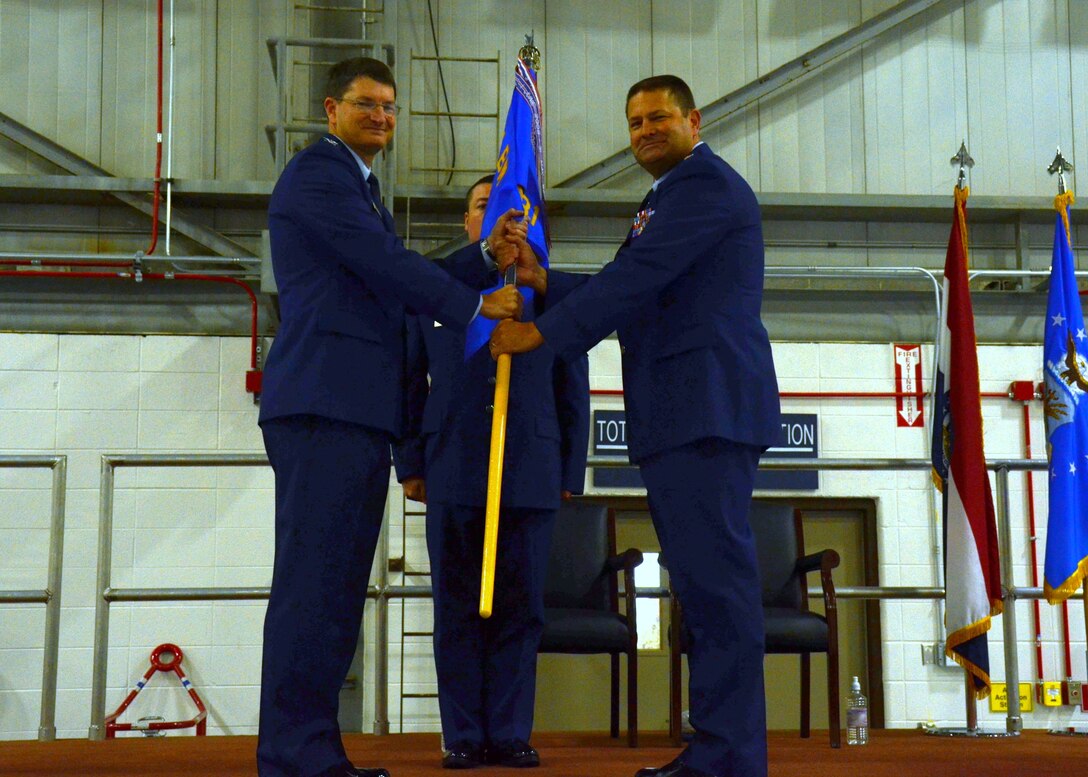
<point x="383" y="591"/>
<point x="49" y="596"/>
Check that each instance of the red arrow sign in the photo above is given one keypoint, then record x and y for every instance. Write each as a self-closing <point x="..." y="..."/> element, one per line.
<point x="908" y="380"/>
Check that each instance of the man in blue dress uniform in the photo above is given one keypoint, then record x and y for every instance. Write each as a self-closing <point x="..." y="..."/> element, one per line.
<point x="487" y="668"/>
<point x="684" y="293"/>
<point x="333" y="401"/>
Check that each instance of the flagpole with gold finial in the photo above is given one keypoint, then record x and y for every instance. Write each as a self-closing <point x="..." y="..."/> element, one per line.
<point x="530" y="54"/>
<point x="1062" y="203"/>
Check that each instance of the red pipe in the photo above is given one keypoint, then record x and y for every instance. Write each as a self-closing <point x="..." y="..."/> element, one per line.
<point x="158" y="276"/>
<point x="234" y="281"/>
<point x="1033" y="547"/>
<point x="59" y="263"/>
<point x="158" y="148"/>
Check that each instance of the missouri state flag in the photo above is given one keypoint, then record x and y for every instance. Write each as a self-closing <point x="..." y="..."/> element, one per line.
<point x="1065" y="372"/>
<point x="519" y="183"/>
<point x="972" y="572"/>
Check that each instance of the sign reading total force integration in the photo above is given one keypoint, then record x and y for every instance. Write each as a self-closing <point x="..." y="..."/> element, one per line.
<point x="798" y="441"/>
<point x="610" y="439"/>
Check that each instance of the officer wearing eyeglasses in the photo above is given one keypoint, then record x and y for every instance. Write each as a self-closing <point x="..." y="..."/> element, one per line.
<point x="333" y="402"/>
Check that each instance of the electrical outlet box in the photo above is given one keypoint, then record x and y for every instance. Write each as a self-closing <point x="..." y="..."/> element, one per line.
<point x="1051" y="694"/>
<point x="933" y="653"/>
<point x="999" y="698"/>
<point x="1072" y="693"/>
<point x="1022" y="391"/>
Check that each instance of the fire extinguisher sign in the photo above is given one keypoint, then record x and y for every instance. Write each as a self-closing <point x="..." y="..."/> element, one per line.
<point x="908" y="385"/>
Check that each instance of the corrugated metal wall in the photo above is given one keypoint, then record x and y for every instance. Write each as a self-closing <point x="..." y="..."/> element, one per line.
<point x="1007" y="76"/>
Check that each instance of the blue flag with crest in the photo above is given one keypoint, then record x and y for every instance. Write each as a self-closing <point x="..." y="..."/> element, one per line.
<point x="519" y="184"/>
<point x="1065" y="403"/>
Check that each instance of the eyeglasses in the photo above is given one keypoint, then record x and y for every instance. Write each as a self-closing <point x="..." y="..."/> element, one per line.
<point x="369" y="106"/>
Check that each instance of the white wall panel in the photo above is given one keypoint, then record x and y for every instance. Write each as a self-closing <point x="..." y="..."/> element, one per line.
<point x="793" y="123"/>
<point x="49" y="57"/>
<point x="915" y="108"/>
<point x="246" y="93"/>
<point x="1078" y="86"/>
<point x="128" y="89"/>
<point x="1018" y="87"/>
<point x="713" y="46"/>
<point x="129" y="84"/>
<point x="596" y="51"/>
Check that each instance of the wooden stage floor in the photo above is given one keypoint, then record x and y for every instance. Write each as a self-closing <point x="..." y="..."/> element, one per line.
<point x="892" y="753"/>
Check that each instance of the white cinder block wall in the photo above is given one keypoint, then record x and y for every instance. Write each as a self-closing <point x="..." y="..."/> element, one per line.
<point x="85" y="395"/>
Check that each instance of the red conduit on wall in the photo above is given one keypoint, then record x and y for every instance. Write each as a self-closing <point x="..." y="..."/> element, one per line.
<point x="155" y="195"/>
<point x="60" y="263"/>
<point x="252" y="384"/>
<point x="1032" y="547"/>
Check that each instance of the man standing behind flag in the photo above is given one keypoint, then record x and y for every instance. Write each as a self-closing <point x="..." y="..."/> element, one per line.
<point x="972" y="571"/>
<point x="684" y="292"/>
<point x="487" y="668"/>
<point x="518" y="182"/>
<point x="1065" y="370"/>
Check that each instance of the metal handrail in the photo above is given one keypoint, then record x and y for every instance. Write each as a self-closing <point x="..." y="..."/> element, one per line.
<point x="50" y="595"/>
<point x="107" y="594"/>
<point x="383" y="592"/>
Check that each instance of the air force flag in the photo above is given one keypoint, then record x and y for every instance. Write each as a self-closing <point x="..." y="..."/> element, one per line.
<point x="1065" y="371"/>
<point x="519" y="183"/>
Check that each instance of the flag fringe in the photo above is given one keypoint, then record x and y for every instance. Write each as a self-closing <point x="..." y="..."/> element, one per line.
<point x="1069" y="587"/>
<point x="1062" y="203"/>
<point x="960" y="196"/>
<point x="966" y="634"/>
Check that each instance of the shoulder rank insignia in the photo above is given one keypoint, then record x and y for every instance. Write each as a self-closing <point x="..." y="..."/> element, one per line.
<point x="642" y="218"/>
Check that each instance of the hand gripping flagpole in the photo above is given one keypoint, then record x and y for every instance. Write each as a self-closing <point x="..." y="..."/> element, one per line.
<point x="531" y="55"/>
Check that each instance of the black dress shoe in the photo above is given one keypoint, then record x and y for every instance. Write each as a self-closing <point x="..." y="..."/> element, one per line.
<point x="674" y="768"/>
<point x="357" y="771"/>
<point x="513" y="752"/>
<point x="462" y="755"/>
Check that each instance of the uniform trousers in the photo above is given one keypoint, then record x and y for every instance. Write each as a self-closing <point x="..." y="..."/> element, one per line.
<point x="331" y="483"/>
<point x="699" y="497"/>
<point x="487" y="667"/>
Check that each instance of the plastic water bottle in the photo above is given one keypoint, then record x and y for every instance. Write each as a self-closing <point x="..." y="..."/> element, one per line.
<point x="857" y="716"/>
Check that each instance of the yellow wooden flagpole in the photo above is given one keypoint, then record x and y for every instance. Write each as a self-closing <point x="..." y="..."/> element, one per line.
<point x="494" y="484"/>
<point x="494" y="471"/>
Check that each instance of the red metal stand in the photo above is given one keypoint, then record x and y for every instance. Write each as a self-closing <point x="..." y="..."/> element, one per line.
<point x="164" y="658"/>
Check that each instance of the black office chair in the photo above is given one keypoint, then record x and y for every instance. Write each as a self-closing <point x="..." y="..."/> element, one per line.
<point x="581" y="599"/>
<point x="790" y="626"/>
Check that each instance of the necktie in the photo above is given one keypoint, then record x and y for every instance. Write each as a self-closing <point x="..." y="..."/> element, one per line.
<point x="376" y="195"/>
